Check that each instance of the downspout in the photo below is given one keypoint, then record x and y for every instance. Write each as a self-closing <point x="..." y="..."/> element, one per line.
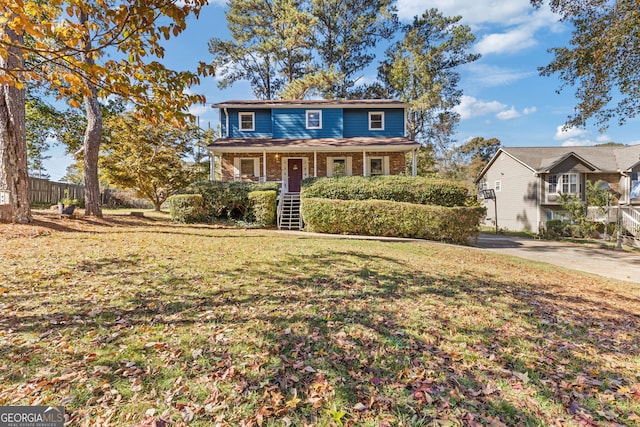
<point x="226" y="121"/>
<point x="541" y="193"/>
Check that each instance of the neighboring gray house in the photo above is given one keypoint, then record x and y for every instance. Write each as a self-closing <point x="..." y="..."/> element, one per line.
<point x="528" y="181"/>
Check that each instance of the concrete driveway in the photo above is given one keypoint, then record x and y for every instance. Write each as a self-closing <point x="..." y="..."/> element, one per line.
<point x="604" y="262"/>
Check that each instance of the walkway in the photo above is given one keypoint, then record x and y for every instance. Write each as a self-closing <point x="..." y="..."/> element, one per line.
<point x="604" y="262"/>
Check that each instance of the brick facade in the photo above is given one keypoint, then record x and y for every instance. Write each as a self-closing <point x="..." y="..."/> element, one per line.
<point x="397" y="163"/>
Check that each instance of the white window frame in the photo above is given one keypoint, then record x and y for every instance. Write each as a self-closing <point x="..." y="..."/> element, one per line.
<point x="497" y="186"/>
<point x="348" y="165"/>
<point x="568" y="184"/>
<point x="381" y="113"/>
<point x="236" y="167"/>
<point x="550" y="183"/>
<point x="307" y="113"/>
<point x="253" y="120"/>
<point x="385" y="165"/>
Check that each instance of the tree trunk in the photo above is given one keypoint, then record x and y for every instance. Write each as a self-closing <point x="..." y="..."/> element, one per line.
<point x="92" y="137"/>
<point x="14" y="179"/>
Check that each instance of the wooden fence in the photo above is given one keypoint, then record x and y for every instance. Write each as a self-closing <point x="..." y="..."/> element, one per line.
<point x="43" y="191"/>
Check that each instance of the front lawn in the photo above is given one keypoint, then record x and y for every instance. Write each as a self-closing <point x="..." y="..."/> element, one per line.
<point x="137" y="321"/>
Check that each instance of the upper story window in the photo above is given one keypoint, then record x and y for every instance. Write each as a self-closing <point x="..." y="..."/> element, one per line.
<point x="498" y="186"/>
<point x="247" y="121"/>
<point x="569" y="183"/>
<point x="553" y="184"/>
<point x="376" y="120"/>
<point x="314" y="119"/>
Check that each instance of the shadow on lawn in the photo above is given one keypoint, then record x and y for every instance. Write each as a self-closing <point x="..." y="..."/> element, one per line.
<point x="382" y="341"/>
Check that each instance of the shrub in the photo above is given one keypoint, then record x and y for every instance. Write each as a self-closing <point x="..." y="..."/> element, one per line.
<point x="263" y="207"/>
<point x="227" y="199"/>
<point x="385" y="218"/>
<point x="186" y="207"/>
<point x="420" y="190"/>
<point x="555" y="229"/>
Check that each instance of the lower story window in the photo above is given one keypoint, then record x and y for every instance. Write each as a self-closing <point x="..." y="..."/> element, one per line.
<point x="246" y="167"/>
<point x="338" y="166"/>
<point x="378" y="166"/>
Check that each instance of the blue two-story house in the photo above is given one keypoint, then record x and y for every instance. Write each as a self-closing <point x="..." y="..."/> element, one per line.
<point x="286" y="141"/>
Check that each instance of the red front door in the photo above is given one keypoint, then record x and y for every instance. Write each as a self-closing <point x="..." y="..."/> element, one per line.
<point x="294" y="170"/>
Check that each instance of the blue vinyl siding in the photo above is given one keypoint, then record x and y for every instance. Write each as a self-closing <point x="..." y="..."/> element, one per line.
<point x="356" y="123"/>
<point x="291" y="123"/>
<point x="262" y="124"/>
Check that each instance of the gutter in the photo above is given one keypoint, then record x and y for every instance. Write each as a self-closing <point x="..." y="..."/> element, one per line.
<point x="226" y="115"/>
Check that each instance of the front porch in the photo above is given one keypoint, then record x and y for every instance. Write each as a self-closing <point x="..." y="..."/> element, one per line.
<point x="268" y="159"/>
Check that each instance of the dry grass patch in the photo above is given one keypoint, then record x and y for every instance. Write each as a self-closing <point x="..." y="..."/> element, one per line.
<point x="131" y="321"/>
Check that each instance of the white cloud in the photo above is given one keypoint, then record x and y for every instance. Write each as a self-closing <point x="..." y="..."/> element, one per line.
<point x="471" y="107"/>
<point x="472" y="11"/>
<point x="512" y="113"/>
<point x="511" y="41"/>
<point x="571" y="133"/>
<point x="509" y="26"/>
<point x="491" y="75"/>
<point x="508" y="114"/>
<point x="199" y="110"/>
<point x="577" y="137"/>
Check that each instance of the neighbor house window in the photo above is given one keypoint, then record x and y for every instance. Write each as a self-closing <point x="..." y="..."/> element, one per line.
<point x="553" y="184"/>
<point x="498" y="186"/>
<point x="569" y="183"/>
<point x="635" y="186"/>
<point x="314" y="119"/>
<point x="247" y="121"/>
<point x="376" y="120"/>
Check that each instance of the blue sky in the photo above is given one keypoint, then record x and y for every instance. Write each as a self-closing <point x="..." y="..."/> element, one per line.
<point x="504" y="96"/>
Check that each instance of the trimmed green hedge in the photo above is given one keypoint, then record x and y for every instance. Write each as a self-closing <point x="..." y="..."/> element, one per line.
<point x="227" y="199"/>
<point x="263" y="207"/>
<point x="186" y="207"/>
<point x="398" y="219"/>
<point x="420" y="190"/>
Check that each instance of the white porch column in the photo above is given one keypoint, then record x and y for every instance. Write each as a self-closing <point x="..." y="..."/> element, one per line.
<point x="414" y="162"/>
<point x="364" y="163"/>
<point x="212" y="166"/>
<point x="315" y="164"/>
<point x="264" y="165"/>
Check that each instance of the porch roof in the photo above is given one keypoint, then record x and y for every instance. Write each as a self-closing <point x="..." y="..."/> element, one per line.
<point x="280" y="145"/>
